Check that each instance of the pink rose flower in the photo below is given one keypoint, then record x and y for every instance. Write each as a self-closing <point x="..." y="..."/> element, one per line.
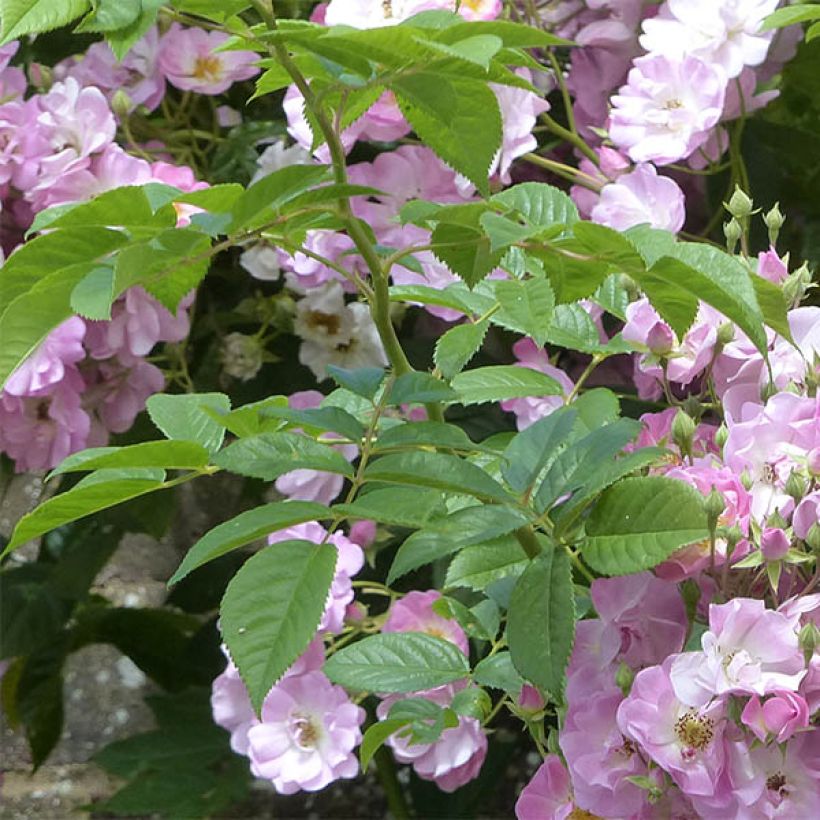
<point x="190" y="62"/>
<point x="548" y="794"/>
<point x="667" y="108"/>
<point x="455" y="758"/>
<point x="307" y="734"/>
<point x="414" y="613"/>
<point x="781" y="715"/>
<point x="748" y="649"/>
<point x="684" y="741"/>
<point x="806" y="514"/>
<point x="641" y="197"/>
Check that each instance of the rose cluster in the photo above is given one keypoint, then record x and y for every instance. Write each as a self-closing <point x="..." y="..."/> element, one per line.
<point x="57" y="146"/>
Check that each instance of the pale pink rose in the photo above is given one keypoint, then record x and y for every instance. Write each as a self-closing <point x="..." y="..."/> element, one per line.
<point x="414" y="613"/>
<point x="667" y="108"/>
<point x="781" y="715"/>
<point x="117" y="392"/>
<point x="639" y="197"/>
<point x="23" y="143"/>
<point x="806" y="514"/>
<point x="548" y="794"/>
<point x="306" y="736"/>
<point x="190" y="62"/>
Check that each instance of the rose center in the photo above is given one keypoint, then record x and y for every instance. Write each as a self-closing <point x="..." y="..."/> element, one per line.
<point x="694" y="731"/>
<point x="329" y="321"/>
<point x="777" y="783"/>
<point x="673" y="104"/>
<point x="305" y="732"/>
<point x="207" y="68"/>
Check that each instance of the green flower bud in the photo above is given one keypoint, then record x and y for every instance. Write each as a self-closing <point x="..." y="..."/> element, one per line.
<point x="795" y="486"/>
<point x="715" y="506"/>
<point x="683" y="430"/>
<point x="740" y="205"/>
<point x="721" y="436"/>
<point x="725" y="334"/>
<point x="808" y="640"/>
<point x="774" y="221"/>
<point x="813" y="538"/>
<point x="732" y="231"/>
<point x="121" y="104"/>
<point x="624" y="677"/>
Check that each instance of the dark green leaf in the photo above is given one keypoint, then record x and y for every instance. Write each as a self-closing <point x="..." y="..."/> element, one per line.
<point x="499" y="382"/>
<point x="457" y="346"/>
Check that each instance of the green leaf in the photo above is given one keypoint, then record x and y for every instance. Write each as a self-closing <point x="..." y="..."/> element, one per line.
<point x="20" y="17"/>
<point x="701" y="272"/>
<point x="274" y="191"/>
<point x="572" y="327"/>
<point x="579" y="463"/>
<point x="183" y="416"/>
<point x="397" y="662"/>
<point x="250" y="419"/>
<point x="414" y="434"/>
<point x="246" y="528"/>
<point x="169" y="455"/>
<point x="503" y="232"/>
<point x="512" y="35"/>
<point x="418" y="387"/>
<point x="595" y="409"/>
<point x="773" y="306"/>
<point x="479" y="49"/>
<point x="460" y="242"/>
<point x="470" y="525"/>
<point x="640" y="522"/>
<point x="458" y="345"/>
<point x="328" y="419"/>
<point x="477" y="567"/>
<point x="541" y="205"/>
<point x="438" y="471"/>
<point x="78" y="502"/>
<point x="457" y="117"/>
<point x="497" y="672"/>
<point x="526" y="307"/>
<point x="363" y="382"/>
<point x="405" y="507"/>
<point x="271" y="610"/>
<point x="269" y="455"/>
<point x="93" y="295"/>
<point x="122" y="41"/>
<point x="110" y="15"/>
<point x="541" y="620"/>
<point x="376" y="736"/>
<point x="533" y="449"/>
<point x="791" y="14"/>
<point x="499" y="382"/>
<point x="813" y="32"/>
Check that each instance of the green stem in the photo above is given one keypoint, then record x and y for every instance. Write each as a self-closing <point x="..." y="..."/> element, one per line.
<point x="572" y="139"/>
<point x="529" y="543"/>
<point x="386" y="772"/>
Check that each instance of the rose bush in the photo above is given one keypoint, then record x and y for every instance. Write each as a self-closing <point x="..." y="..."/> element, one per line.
<point x="510" y="351"/>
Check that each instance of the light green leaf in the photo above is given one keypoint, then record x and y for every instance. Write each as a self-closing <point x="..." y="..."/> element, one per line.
<point x="437" y="471"/>
<point x="110" y="15"/>
<point x="499" y="382"/>
<point x="271" y="609"/>
<point x="20" y="17"/>
<point x="572" y="327"/>
<point x="376" y="736"/>
<point x="790" y="15"/>
<point x="640" y="522"/>
<point x="414" y="434"/>
<point x="78" y="502"/>
<point x="169" y="455"/>
<point x="461" y="243"/>
<point x="121" y="41"/>
<point x="526" y="307"/>
<point x="318" y="419"/>
<point x="541" y="620"/>
<point x="93" y="295"/>
<point x="184" y="417"/>
<point x="503" y="232"/>
<point x="479" y="49"/>
<point x="269" y="455"/>
<point x="541" y="205"/>
<point x="457" y="117"/>
<point x="458" y="345"/>
<point x="397" y="662"/>
<point x="246" y="528"/>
